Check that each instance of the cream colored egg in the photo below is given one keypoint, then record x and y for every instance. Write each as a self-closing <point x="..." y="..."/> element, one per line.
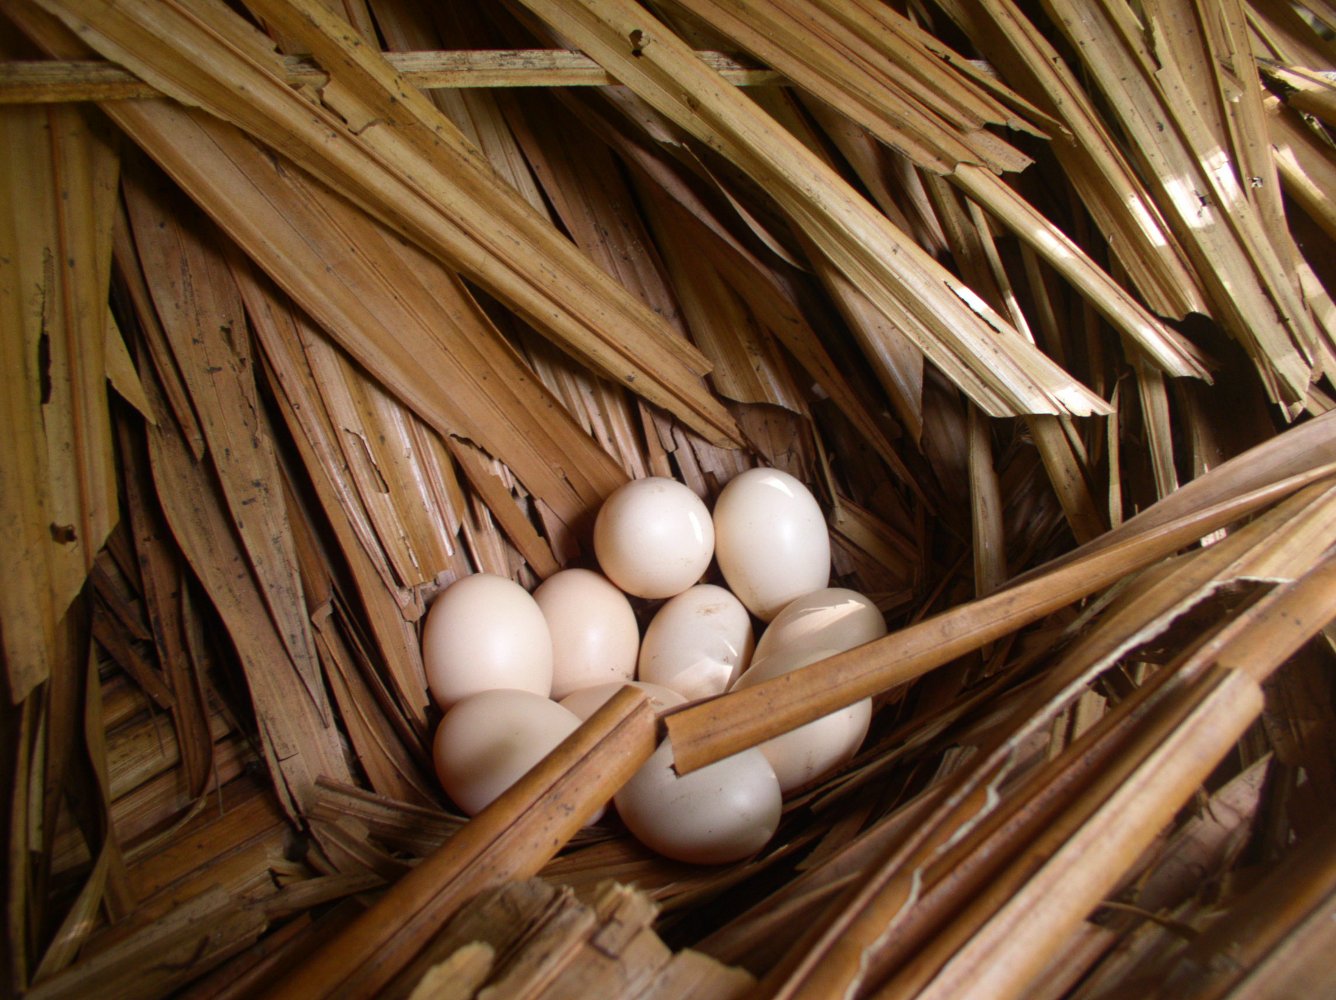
<point x="484" y="632"/>
<point x="832" y="618"/>
<point x="771" y="540"/>
<point x="698" y="643"/>
<point x="653" y="537"/>
<point x="816" y="749"/>
<point x="587" y="701"/>
<point x="489" y="740"/>
<point x="595" y="637"/>
<point x="726" y="811"/>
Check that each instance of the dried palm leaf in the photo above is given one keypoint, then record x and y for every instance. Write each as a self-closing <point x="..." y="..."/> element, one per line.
<point x="945" y="318"/>
<point x="58" y="501"/>
<point x="790" y="37"/>
<point x="398" y="171"/>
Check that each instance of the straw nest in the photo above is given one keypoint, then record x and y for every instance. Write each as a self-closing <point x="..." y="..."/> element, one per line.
<point x="313" y="307"/>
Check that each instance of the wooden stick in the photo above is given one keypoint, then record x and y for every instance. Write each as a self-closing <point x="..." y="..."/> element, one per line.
<point x="712" y="730"/>
<point x="512" y="838"/>
<point x="51" y="81"/>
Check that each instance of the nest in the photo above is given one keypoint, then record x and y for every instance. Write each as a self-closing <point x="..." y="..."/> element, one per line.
<point x="311" y="308"/>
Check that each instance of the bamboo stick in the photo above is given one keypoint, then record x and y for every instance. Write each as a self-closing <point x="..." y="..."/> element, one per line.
<point x="1001" y="960"/>
<point x="512" y="838"/>
<point x="715" y="729"/>
<point x="881" y="933"/>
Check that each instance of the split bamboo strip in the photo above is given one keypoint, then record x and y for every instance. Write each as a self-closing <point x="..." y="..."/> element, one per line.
<point x="370" y="713"/>
<point x="1272" y="940"/>
<point x="161" y="578"/>
<point x="1305" y="165"/>
<point x="708" y="732"/>
<point x="512" y="838"/>
<point x="897" y="90"/>
<point x="972" y="244"/>
<point x="747" y="366"/>
<point x="949" y="322"/>
<point x="51" y="82"/>
<point x="1306" y="90"/>
<point x="413" y="170"/>
<point x="279" y="330"/>
<point x="881" y="933"/>
<point x="1002" y="958"/>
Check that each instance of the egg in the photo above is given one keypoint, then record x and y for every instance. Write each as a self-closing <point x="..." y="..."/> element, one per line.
<point x="771" y="540"/>
<point x="698" y="643"/>
<point x="484" y="632"/>
<point x="653" y="537"/>
<point x="587" y="701"/>
<point x="723" y="812"/>
<point x="804" y="754"/>
<point x="830" y="618"/>
<point x="595" y="637"/>
<point x="489" y="740"/>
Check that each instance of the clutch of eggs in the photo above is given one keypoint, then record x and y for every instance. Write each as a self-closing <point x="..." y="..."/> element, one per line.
<point x="515" y="674"/>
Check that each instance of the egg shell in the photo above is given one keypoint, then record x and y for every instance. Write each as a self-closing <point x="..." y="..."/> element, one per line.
<point x="771" y="540"/>
<point x="484" y="632"/>
<point x="489" y="740"/>
<point x="698" y="643"/>
<point x="595" y="636"/>
<point x="831" y="618"/>
<point x="587" y="701"/>
<point x="653" y="537"/>
<point x="819" y="747"/>
<point x="723" y="812"/>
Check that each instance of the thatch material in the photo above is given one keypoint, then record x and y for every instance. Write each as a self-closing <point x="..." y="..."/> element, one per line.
<point x="388" y="292"/>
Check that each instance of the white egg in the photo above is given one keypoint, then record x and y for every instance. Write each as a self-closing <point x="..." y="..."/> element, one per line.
<point x="587" y="701"/>
<point x="698" y="643"/>
<point x="817" y="748"/>
<point x="489" y="740"/>
<point x="832" y="618"/>
<point x="771" y="540"/>
<point x="726" y="811"/>
<point x="485" y="632"/>
<point x="595" y="637"/>
<point x="653" y="537"/>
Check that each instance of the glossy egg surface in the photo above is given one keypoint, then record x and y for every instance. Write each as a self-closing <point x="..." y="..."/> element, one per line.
<point x="484" y="632"/>
<point x="723" y="812"/>
<point x="830" y="618"/>
<point x="595" y="637"/>
<point x="587" y="701"/>
<point x="487" y="742"/>
<point x="698" y="643"/>
<point x="653" y="537"/>
<point x="771" y="540"/>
